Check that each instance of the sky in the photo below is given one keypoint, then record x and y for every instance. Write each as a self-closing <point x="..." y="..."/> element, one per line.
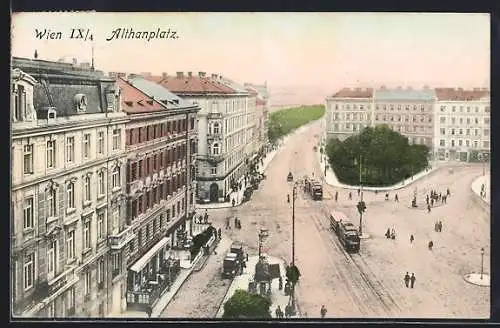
<point x="309" y="51"/>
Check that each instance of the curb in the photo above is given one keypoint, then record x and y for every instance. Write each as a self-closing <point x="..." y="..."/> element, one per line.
<point x="480" y="201"/>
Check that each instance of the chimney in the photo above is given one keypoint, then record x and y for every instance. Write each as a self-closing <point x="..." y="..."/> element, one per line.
<point x="190" y="74"/>
<point x="164" y="75"/>
<point x="214" y="76"/>
<point x="180" y="75"/>
<point x="201" y="74"/>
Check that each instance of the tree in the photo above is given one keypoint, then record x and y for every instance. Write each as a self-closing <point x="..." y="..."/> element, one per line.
<point x="246" y="305"/>
<point x="382" y="157"/>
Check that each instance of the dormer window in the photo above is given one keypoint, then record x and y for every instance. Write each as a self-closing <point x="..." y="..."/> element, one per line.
<point x="19" y="101"/>
<point x="80" y="103"/>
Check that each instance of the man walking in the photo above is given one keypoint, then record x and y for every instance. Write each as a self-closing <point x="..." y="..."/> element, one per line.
<point x="412" y="280"/>
<point x="350" y="195"/>
<point x="323" y="311"/>
<point x="411" y="240"/>
<point x="336" y="195"/>
<point x="407" y="279"/>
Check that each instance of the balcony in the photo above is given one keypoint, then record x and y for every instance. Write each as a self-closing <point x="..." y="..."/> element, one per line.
<point x="214" y="136"/>
<point x="214" y="115"/>
<point x="215" y="158"/>
<point x="118" y="241"/>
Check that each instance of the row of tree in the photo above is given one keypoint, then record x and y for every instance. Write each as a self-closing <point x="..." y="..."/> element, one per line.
<point x="378" y="156"/>
<point x="286" y="120"/>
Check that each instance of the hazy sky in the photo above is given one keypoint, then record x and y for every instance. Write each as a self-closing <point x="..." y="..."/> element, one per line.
<point x="315" y="50"/>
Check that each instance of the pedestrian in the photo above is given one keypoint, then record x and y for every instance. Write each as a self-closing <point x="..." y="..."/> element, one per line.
<point x="412" y="280"/>
<point x="388" y="233"/>
<point x="359" y="191"/>
<point x="430" y="245"/>
<point x="427" y="199"/>
<point x="448" y="192"/>
<point x="219" y="233"/>
<point x="386" y="196"/>
<point x="288" y="311"/>
<point x="280" y="283"/>
<point x="445" y="197"/>
<point x="336" y="195"/>
<point x="149" y="311"/>
<point x="440" y="226"/>
<point x="247" y="256"/>
<point x="407" y="279"/>
<point x="228" y="226"/>
<point x="279" y="313"/>
<point x="350" y="195"/>
<point x="323" y="311"/>
<point x="432" y="201"/>
<point x="396" y="199"/>
<point x="233" y="202"/>
<point x="428" y="208"/>
<point x="435" y="226"/>
<point x="412" y="239"/>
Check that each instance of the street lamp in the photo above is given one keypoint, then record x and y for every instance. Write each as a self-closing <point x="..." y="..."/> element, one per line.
<point x="294" y="196"/>
<point x="482" y="262"/>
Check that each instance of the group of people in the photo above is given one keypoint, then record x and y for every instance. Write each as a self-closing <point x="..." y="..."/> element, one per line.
<point x="280" y="314"/>
<point x="483" y="191"/>
<point x="390" y="233"/>
<point x="237" y="223"/>
<point x="202" y="219"/>
<point x="409" y="280"/>
<point x="438" y="226"/>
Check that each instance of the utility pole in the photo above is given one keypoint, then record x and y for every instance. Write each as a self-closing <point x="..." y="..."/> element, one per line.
<point x="294" y="194"/>
<point x="482" y="263"/>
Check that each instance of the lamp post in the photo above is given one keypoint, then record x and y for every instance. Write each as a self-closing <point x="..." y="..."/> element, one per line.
<point x="294" y="196"/>
<point x="361" y="191"/>
<point x="482" y="262"/>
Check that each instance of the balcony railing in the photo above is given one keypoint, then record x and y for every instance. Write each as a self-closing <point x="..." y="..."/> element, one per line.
<point x="120" y="240"/>
<point x="214" y="115"/>
<point x="213" y="135"/>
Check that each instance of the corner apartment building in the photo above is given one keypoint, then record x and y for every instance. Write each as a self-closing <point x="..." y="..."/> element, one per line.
<point x="407" y="111"/>
<point x="68" y="191"/>
<point x="161" y="147"/>
<point x="347" y="112"/>
<point x="462" y="124"/>
<point x="223" y="129"/>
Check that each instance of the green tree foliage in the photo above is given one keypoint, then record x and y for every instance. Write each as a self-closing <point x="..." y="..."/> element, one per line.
<point x="286" y="120"/>
<point x="247" y="305"/>
<point x="386" y="157"/>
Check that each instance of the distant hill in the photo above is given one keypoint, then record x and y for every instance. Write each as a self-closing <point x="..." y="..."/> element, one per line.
<point x="291" y="96"/>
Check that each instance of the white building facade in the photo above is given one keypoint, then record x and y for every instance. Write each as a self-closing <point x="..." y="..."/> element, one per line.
<point x="462" y="124"/>
<point x="225" y="130"/>
<point x="68" y="184"/>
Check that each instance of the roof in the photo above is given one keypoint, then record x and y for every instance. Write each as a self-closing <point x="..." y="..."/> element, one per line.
<point x="159" y="92"/>
<point x="135" y="101"/>
<point x="251" y="91"/>
<point x="233" y="85"/>
<point x="64" y="85"/>
<point x="260" y="102"/>
<point x="261" y="89"/>
<point x="405" y="94"/>
<point x="461" y="94"/>
<point x="192" y="85"/>
<point x="354" y="93"/>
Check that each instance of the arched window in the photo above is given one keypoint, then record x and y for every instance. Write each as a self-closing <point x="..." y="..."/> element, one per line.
<point x="216" y="149"/>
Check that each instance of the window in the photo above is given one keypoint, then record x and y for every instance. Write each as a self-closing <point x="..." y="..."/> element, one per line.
<point x="88" y="282"/>
<point x="216" y="128"/>
<point x="100" y="142"/>
<point x="452" y="131"/>
<point x="100" y="225"/>
<point x="399" y="107"/>
<point x="51" y="203"/>
<point x="486" y="109"/>
<point x="70" y="301"/>
<point x="453" y="120"/>
<point x="467" y="132"/>
<point x="28" y="213"/>
<point x="86" y="189"/>
<point x="116" y="220"/>
<point x="52" y="259"/>
<point x="86" y="145"/>
<point x="51" y="154"/>
<point x="213" y="170"/>
<point x="116" y="264"/>
<point x="100" y="183"/>
<point x="29" y="270"/>
<point x="486" y="144"/>
<point x="468" y="120"/>
<point x="475" y="144"/>
<point x="442" y="142"/>
<point x="461" y="120"/>
<point x="453" y="143"/>
<point x="486" y="120"/>
<point x="486" y="132"/>
<point x="86" y="235"/>
<point x="215" y="149"/>
<point x="443" y="108"/>
<point x="453" y="108"/>
<point x="28" y="159"/>
<point x="476" y="120"/>
<point x="116" y="139"/>
<point x="100" y="273"/>
<point x="461" y="131"/>
<point x="467" y="143"/>
<point x="19" y="101"/>
<point x="115" y="177"/>
<point x="443" y="131"/>
<point x="70" y="149"/>
<point x="70" y="196"/>
<point x="70" y="245"/>
<point x="460" y="140"/>
<point x="476" y="132"/>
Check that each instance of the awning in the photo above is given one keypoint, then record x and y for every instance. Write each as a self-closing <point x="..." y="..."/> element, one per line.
<point x="141" y="263"/>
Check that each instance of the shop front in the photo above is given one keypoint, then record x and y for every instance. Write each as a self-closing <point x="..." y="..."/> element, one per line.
<point x="151" y="275"/>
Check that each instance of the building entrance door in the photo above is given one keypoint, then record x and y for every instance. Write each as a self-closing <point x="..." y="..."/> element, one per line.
<point x="214" y="192"/>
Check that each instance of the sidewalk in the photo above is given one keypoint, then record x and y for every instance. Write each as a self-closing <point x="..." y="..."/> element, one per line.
<point x="331" y="178"/>
<point x="241" y="282"/>
<point x="476" y="187"/>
